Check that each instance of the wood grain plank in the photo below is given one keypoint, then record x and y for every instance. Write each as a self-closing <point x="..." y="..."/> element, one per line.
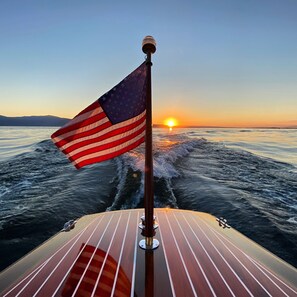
<point x="79" y="266"/>
<point x="198" y="238"/>
<point x="175" y="262"/>
<point x="250" y="277"/>
<point x="33" y="284"/>
<point x="215" y="281"/>
<point x="273" y="287"/>
<point x="56" y="280"/>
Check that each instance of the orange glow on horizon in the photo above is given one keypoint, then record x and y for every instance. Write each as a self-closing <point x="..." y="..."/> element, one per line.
<point x="231" y="120"/>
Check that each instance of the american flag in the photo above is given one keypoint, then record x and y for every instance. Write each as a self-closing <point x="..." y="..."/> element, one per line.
<point x="109" y="127"/>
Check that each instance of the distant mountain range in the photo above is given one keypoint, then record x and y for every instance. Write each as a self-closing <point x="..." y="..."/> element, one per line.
<point x="33" y="121"/>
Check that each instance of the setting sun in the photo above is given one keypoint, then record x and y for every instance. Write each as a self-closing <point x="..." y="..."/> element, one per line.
<point x="170" y="122"/>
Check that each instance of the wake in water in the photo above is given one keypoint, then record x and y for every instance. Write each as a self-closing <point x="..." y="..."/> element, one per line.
<point x="40" y="191"/>
<point x="130" y="174"/>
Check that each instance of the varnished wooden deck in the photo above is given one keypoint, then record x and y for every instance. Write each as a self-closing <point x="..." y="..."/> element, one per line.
<point x="196" y="257"/>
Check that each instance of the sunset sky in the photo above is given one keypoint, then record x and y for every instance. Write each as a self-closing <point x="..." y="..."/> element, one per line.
<point x="218" y="63"/>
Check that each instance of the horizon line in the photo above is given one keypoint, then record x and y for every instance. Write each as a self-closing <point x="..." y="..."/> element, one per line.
<point x="157" y="125"/>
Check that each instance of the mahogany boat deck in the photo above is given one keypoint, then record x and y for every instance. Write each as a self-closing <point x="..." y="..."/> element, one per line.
<point x="196" y="257"/>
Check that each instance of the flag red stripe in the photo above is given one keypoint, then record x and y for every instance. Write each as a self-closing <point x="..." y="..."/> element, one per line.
<point x="100" y="130"/>
<point x="108" y="145"/>
<point x="105" y="136"/>
<point x="107" y="156"/>
<point x="80" y="125"/>
<point x="90" y="132"/>
<point x="110" y="150"/>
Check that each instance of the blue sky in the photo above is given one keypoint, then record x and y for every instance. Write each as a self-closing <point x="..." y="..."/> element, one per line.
<point x="217" y="62"/>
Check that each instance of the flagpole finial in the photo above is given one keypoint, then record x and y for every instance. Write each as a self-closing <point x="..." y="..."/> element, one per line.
<point x="149" y="44"/>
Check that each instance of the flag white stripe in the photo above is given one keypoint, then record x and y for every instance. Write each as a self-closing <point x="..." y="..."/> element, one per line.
<point x="100" y="133"/>
<point x="109" y="151"/>
<point x="120" y="259"/>
<point x="81" y="130"/>
<point x="84" y="116"/>
<point x="106" y="141"/>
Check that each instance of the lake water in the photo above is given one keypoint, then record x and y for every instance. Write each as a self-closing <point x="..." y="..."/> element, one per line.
<point x="248" y="176"/>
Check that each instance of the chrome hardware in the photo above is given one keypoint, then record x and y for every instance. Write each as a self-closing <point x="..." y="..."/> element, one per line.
<point x="69" y="225"/>
<point x="142" y="223"/>
<point x="222" y="222"/>
<point x="149" y="243"/>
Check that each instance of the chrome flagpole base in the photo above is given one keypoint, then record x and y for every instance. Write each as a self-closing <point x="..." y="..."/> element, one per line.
<point x="149" y="243"/>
